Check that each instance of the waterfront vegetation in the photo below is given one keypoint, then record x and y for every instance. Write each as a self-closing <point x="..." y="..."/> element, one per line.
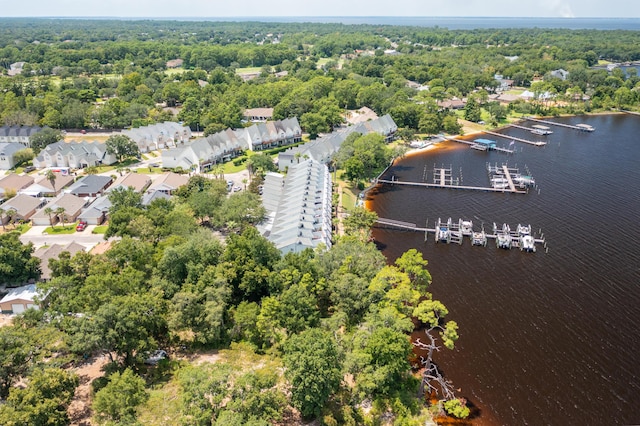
<point x="255" y="337"/>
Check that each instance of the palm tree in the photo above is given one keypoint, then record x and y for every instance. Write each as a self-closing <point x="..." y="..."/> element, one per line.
<point x="60" y="211"/>
<point x="51" y="177"/>
<point x="2" y="213"/>
<point x="49" y="211"/>
<point x="11" y="213"/>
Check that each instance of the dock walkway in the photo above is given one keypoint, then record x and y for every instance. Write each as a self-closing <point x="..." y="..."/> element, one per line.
<point x="534" y="143"/>
<point x="511" y="189"/>
<point x="581" y="127"/>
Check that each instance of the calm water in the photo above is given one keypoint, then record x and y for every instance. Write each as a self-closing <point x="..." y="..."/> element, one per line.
<point x="546" y="339"/>
<point x="452" y="23"/>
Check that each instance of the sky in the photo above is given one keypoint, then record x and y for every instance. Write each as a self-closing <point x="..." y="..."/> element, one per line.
<point x="258" y="8"/>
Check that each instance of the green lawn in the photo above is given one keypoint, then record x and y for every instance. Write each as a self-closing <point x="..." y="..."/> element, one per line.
<point x="248" y="70"/>
<point x="100" y="229"/>
<point x="60" y="230"/>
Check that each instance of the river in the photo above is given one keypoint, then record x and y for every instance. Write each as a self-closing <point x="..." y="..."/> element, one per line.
<point x="545" y="338"/>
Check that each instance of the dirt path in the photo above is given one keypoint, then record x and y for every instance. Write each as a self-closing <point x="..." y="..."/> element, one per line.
<point x="80" y="408"/>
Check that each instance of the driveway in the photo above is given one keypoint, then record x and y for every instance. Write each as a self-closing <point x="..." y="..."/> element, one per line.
<point x="86" y="238"/>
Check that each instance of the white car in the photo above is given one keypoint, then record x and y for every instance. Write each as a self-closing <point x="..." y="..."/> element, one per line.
<point x="156" y="357"/>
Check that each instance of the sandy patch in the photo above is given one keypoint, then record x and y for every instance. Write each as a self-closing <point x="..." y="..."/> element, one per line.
<point x="80" y="408"/>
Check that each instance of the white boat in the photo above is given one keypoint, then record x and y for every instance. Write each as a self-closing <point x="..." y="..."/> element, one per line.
<point x="524" y="230"/>
<point x="523" y="180"/>
<point x="499" y="183"/>
<point x="541" y="132"/>
<point x="466" y="227"/>
<point x="527" y="243"/>
<point x="443" y="234"/>
<point x="479" y="239"/>
<point x="503" y="236"/>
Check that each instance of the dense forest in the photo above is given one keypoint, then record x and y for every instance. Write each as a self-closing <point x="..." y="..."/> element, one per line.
<point x="113" y="74"/>
<point x="318" y="335"/>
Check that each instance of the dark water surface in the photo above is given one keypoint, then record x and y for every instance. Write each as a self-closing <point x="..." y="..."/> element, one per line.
<point x="545" y="339"/>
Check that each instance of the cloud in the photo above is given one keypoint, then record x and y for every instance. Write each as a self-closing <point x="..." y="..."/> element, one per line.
<point x="560" y="8"/>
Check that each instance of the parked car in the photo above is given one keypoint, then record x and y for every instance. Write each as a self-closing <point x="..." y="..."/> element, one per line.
<point x="81" y="226"/>
<point x="237" y="188"/>
<point x="29" y="169"/>
<point x="156" y="356"/>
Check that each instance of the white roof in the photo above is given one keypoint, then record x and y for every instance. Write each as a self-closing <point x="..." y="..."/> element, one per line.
<point x="27" y="292"/>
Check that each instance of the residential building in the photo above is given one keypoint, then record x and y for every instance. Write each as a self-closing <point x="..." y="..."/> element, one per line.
<point x="559" y="73"/>
<point x="24" y="206"/>
<point x="298" y="207"/>
<point x="168" y="183"/>
<point x="75" y="155"/>
<point x="258" y="114"/>
<point x="20" y="299"/>
<point x="14" y="183"/>
<point x="72" y="208"/>
<point x="7" y="154"/>
<point x="322" y="149"/>
<point x="158" y="136"/>
<point x="360" y="115"/>
<point x="18" y="134"/>
<point x="96" y="212"/>
<point x="53" y="252"/>
<point x="90" y="186"/>
<point x="202" y="153"/>
<point x="44" y="188"/>
<point x="138" y="181"/>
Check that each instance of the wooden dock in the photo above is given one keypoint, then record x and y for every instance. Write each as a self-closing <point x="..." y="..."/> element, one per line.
<point x="534" y="143"/>
<point x="507" y="174"/>
<point x="471" y="143"/>
<point x="581" y="127"/>
<point x="511" y="189"/>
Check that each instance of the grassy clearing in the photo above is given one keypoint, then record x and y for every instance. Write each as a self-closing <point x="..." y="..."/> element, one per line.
<point x="248" y="70"/>
<point x="60" y="230"/>
<point x="175" y="71"/>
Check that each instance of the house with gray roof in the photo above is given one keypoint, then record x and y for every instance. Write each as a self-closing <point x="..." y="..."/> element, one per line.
<point x="7" y="154"/>
<point x="15" y="182"/>
<point x="18" y="134"/>
<point x="43" y="187"/>
<point x="74" y="154"/>
<point x="158" y="136"/>
<point x="322" y="149"/>
<point x="96" y="212"/>
<point x="72" y="208"/>
<point x="298" y="207"/>
<point x="202" y="153"/>
<point x="90" y="186"/>
<point x="24" y="206"/>
<point x="150" y="197"/>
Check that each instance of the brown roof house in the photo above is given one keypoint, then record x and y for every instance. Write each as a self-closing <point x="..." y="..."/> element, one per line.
<point x="44" y="188"/>
<point x="53" y="252"/>
<point x="139" y="182"/>
<point x="168" y="183"/>
<point x="15" y="182"/>
<point x="20" y="299"/>
<point x="258" y="114"/>
<point x="24" y="205"/>
<point x="72" y="208"/>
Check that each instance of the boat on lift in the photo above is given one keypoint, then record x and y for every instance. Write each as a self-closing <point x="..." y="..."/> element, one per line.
<point x="523" y="230"/>
<point x="527" y="243"/>
<point x="499" y="183"/>
<point x="479" y="238"/>
<point x="443" y="231"/>
<point x="466" y="227"/>
<point x="523" y="180"/>
<point x="503" y="236"/>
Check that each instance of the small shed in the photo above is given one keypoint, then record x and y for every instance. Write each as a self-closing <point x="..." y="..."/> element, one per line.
<point x="20" y="299"/>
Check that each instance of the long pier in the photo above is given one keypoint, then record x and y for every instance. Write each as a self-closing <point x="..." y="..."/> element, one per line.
<point x="534" y="143"/>
<point x="454" y="232"/>
<point x="470" y="143"/>
<point x="511" y="189"/>
<point x="582" y="128"/>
